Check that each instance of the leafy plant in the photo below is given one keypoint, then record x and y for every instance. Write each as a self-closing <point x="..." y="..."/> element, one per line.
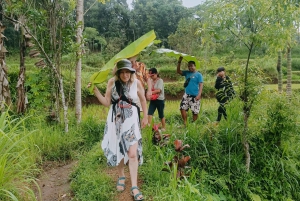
<point x="17" y="160"/>
<point x="158" y="138"/>
<point x="179" y="161"/>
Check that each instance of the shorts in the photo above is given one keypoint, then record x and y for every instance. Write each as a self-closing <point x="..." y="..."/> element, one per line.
<point x="159" y="105"/>
<point x="190" y="102"/>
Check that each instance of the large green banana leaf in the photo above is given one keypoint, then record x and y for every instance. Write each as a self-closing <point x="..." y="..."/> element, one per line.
<point x="131" y="50"/>
<point x="173" y="53"/>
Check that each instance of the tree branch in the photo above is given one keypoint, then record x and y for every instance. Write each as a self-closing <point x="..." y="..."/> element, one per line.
<point x="35" y="39"/>
<point x="90" y="7"/>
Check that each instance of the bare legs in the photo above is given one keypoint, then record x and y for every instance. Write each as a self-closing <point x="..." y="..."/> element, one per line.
<point x="121" y="174"/>
<point x="163" y="123"/>
<point x="195" y="117"/>
<point x="133" y="163"/>
<point x="184" y="116"/>
<point x="149" y="119"/>
<point x="133" y="166"/>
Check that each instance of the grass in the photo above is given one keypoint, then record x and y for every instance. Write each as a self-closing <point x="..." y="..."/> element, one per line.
<point x="17" y="160"/>
<point x="275" y="86"/>
<point x="217" y="161"/>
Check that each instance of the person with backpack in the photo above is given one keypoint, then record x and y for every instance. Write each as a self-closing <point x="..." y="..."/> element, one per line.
<point x="225" y="92"/>
<point x="122" y="140"/>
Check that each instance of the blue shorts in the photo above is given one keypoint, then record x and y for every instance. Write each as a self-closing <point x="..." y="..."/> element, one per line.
<point x="159" y="105"/>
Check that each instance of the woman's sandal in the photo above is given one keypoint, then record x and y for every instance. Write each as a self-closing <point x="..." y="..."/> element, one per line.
<point x="136" y="196"/>
<point x="119" y="184"/>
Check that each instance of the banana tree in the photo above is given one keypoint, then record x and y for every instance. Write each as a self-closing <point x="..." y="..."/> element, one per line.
<point x="53" y="17"/>
<point x="5" y="97"/>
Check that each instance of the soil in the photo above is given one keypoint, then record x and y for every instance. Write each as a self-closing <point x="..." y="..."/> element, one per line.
<point x="54" y="182"/>
<point x="125" y="195"/>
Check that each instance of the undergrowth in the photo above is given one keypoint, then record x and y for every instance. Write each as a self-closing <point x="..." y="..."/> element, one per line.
<point x="217" y="165"/>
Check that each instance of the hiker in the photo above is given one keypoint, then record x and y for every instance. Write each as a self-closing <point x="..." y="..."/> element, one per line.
<point x="142" y="75"/>
<point x="225" y="92"/>
<point x="122" y="140"/>
<point x="193" y="90"/>
<point x="157" y="100"/>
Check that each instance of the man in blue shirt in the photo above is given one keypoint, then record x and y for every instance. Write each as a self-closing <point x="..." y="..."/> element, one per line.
<point x="193" y="90"/>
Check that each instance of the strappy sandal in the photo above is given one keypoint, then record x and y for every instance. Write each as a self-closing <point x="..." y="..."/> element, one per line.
<point x="136" y="197"/>
<point x="119" y="184"/>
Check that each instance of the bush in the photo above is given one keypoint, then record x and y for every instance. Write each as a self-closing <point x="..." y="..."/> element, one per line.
<point x="295" y="64"/>
<point x="94" y="60"/>
<point x="170" y="73"/>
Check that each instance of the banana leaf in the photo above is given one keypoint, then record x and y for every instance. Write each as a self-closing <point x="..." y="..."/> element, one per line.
<point x="173" y="53"/>
<point x="131" y="50"/>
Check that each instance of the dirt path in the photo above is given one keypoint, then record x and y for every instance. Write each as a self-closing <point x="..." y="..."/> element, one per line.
<point x="54" y="182"/>
<point x="125" y="195"/>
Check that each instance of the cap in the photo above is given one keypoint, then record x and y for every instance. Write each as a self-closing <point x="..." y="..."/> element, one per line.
<point x="220" y="69"/>
<point x="152" y="71"/>
<point x="124" y="64"/>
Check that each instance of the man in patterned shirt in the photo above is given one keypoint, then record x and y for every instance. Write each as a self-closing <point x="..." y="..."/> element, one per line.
<point x="142" y="75"/>
<point x="225" y="92"/>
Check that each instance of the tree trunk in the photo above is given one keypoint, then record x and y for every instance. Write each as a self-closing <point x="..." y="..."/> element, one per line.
<point x="246" y="113"/>
<point x="289" y="73"/>
<point x="21" y="104"/>
<point x="279" y="71"/>
<point x="245" y="143"/>
<point x="5" y="98"/>
<point x="79" y="20"/>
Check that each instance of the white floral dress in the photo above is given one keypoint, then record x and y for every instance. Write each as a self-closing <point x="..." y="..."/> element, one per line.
<point x="122" y="128"/>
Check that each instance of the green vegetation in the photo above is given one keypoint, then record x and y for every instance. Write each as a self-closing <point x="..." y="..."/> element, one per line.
<point x="254" y="155"/>
<point x="217" y="170"/>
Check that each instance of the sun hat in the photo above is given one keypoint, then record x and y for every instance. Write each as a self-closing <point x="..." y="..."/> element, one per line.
<point x="220" y="69"/>
<point x="124" y="64"/>
<point x="152" y="71"/>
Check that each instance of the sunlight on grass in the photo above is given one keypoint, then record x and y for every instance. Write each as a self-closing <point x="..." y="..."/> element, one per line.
<point x="275" y="86"/>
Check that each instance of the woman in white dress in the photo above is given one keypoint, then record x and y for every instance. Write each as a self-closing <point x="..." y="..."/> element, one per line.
<point x="122" y="141"/>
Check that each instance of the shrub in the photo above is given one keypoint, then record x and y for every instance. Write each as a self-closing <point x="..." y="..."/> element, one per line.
<point x="295" y="63"/>
<point x="170" y="73"/>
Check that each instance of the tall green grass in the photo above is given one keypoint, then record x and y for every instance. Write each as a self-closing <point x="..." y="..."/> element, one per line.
<point x="217" y="165"/>
<point x="17" y="160"/>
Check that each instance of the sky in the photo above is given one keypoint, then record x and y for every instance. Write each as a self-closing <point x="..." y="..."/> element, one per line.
<point x="186" y="3"/>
